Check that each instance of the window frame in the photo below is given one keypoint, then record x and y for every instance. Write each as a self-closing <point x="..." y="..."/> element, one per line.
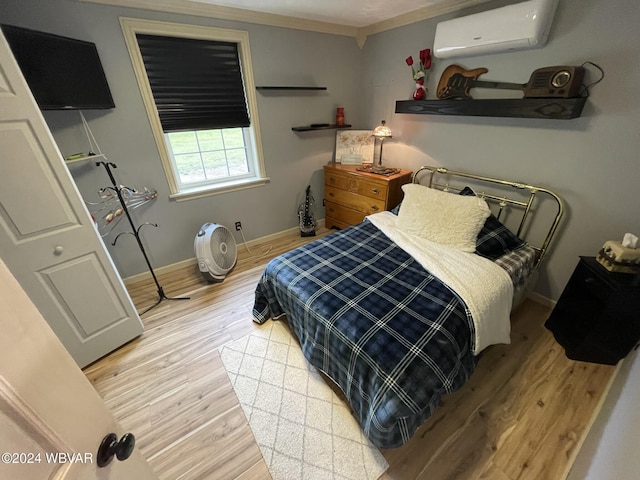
<point x="132" y="26"/>
<point x="248" y="152"/>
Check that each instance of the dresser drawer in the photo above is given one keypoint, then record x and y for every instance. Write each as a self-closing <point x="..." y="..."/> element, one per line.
<point x="335" y="180"/>
<point x="354" y="201"/>
<point x="351" y="194"/>
<point x="359" y="185"/>
<point x="339" y="216"/>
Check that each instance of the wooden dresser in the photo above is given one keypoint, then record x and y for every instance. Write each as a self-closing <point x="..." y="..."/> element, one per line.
<point x="350" y="194"/>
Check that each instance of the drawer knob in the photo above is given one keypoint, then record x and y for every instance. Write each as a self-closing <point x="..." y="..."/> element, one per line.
<point x="331" y="194"/>
<point x="332" y="180"/>
<point x="374" y="208"/>
<point x="376" y="191"/>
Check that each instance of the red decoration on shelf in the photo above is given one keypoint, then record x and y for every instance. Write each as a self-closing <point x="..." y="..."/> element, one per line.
<point x="420" y="75"/>
<point x="420" y="93"/>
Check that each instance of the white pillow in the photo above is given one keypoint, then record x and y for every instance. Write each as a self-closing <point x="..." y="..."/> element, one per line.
<point x="442" y="217"/>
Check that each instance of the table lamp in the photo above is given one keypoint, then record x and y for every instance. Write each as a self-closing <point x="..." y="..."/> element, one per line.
<point x="380" y="132"/>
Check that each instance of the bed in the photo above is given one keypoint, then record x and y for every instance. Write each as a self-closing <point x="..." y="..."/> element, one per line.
<point x="397" y="309"/>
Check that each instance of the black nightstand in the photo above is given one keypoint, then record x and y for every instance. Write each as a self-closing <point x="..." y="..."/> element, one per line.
<point x="597" y="318"/>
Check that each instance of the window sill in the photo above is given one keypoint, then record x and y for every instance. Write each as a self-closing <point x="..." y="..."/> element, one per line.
<point x="200" y="192"/>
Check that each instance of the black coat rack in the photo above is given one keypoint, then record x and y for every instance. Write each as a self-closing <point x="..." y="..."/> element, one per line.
<point x="135" y="231"/>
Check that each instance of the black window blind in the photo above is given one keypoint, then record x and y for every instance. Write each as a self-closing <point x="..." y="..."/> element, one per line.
<point x="196" y="84"/>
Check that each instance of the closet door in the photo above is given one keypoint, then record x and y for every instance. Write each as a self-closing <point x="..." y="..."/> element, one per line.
<point x="47" y="238"/>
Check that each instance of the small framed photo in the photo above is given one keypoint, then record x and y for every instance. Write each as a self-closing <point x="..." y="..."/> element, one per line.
<point x="354" y="147"/>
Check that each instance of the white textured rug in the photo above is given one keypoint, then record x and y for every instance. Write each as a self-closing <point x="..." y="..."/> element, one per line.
<point x="303" y="429"/>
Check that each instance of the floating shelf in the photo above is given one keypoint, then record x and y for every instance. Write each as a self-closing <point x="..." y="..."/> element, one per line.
<point x="549" y="108"/>
<point x="275" y="87"/>
<point x="323" y="127"/>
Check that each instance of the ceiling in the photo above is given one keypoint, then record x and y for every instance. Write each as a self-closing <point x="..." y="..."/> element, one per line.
<point x="354" y="13"/>
<point x="355" y="18"/>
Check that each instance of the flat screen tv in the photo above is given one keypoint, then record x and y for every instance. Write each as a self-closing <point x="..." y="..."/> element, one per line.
<point x="62" y="73"/>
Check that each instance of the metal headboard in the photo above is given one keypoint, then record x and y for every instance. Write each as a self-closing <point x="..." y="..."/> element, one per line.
<point x="439" y="177"/>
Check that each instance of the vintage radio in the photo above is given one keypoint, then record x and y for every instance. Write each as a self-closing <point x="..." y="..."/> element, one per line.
<point x="559" y="82"/>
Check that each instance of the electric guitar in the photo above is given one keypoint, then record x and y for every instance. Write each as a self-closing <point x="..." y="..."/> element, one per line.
<point x="557" y="82"/>
<point x="305" y="215"/>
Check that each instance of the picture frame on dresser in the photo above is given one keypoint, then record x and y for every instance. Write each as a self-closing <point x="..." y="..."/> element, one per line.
<point x="354" y="147"/>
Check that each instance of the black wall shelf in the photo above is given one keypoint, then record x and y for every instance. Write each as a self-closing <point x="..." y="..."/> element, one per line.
<point x="549" y="108"/>
<point x="308" y="128"/>
<point x="276" y="87"/>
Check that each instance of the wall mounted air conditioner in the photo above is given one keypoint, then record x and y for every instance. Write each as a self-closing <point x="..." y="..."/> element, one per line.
<point x="514" y="27"/>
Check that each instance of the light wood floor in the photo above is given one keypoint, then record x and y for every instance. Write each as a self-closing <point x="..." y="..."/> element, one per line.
<point x="523" y="414"/>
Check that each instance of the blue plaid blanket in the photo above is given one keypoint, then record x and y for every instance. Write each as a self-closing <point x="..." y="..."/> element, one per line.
<point x="390" y="334"/>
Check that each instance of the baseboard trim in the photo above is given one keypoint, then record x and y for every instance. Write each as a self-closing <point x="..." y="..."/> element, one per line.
<point x="159" y="271"/>
<point x="192" y="261"/>
<point x="541" y="299"/>
<point x="276" y="236"/>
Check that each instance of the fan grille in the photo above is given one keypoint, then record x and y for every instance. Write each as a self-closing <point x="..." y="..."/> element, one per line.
<point x="223" y="248"/>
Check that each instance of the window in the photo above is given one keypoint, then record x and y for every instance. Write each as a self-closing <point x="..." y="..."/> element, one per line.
<point x="198" y="90"/>
<point x="204" y="157"/>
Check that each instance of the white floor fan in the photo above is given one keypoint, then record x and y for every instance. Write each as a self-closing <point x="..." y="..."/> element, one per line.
<point x="216" y="251"/>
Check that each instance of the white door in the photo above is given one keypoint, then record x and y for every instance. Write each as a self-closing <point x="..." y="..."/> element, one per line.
<point x="52" y="420"/>
<point x="47" y="238"/>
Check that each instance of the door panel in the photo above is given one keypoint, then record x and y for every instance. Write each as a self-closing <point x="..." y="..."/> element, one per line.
<point x="87" y="315"/>
<point x="52" y="420"/>
<point x="22" y="206"/>
<point x="47" y="237"/>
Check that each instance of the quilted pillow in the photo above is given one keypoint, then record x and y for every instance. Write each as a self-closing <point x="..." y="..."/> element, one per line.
<point x="494" y="239"/>
<point x="438" y="216"/>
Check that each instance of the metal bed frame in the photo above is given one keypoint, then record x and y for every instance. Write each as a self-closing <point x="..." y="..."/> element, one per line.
<point x="438" y="177"/>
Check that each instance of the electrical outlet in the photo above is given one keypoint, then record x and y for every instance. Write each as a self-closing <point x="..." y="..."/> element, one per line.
<point x="238" y="226"/>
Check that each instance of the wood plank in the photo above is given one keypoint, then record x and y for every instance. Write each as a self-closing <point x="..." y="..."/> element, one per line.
<point x="553" y="425"/>
<point x="492" y="472"/>
<point x="497" y="365"/>
<point x="523" y="414"/>
<point x="223" y="447"/>
<point x="258" y="471"/>
<point x="491" y="425"/>
<point x="552" y="108"/>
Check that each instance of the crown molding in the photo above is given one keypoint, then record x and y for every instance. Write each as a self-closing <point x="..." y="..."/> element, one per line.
<point x="185" y="7"/>
<point x="423" y="13"/>
<point x="199" y="9"/>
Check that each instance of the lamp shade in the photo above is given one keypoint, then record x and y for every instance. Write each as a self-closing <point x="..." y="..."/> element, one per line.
<point x="382" y="131"/>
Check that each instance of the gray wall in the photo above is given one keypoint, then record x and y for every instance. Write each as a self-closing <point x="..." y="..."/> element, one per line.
<point x="591" y="161"/>
<point x="293" y="160"/>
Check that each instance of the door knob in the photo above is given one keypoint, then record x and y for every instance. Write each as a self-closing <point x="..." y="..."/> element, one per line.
<point x="111" y="446"/>
<point x="58" y="250"/>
